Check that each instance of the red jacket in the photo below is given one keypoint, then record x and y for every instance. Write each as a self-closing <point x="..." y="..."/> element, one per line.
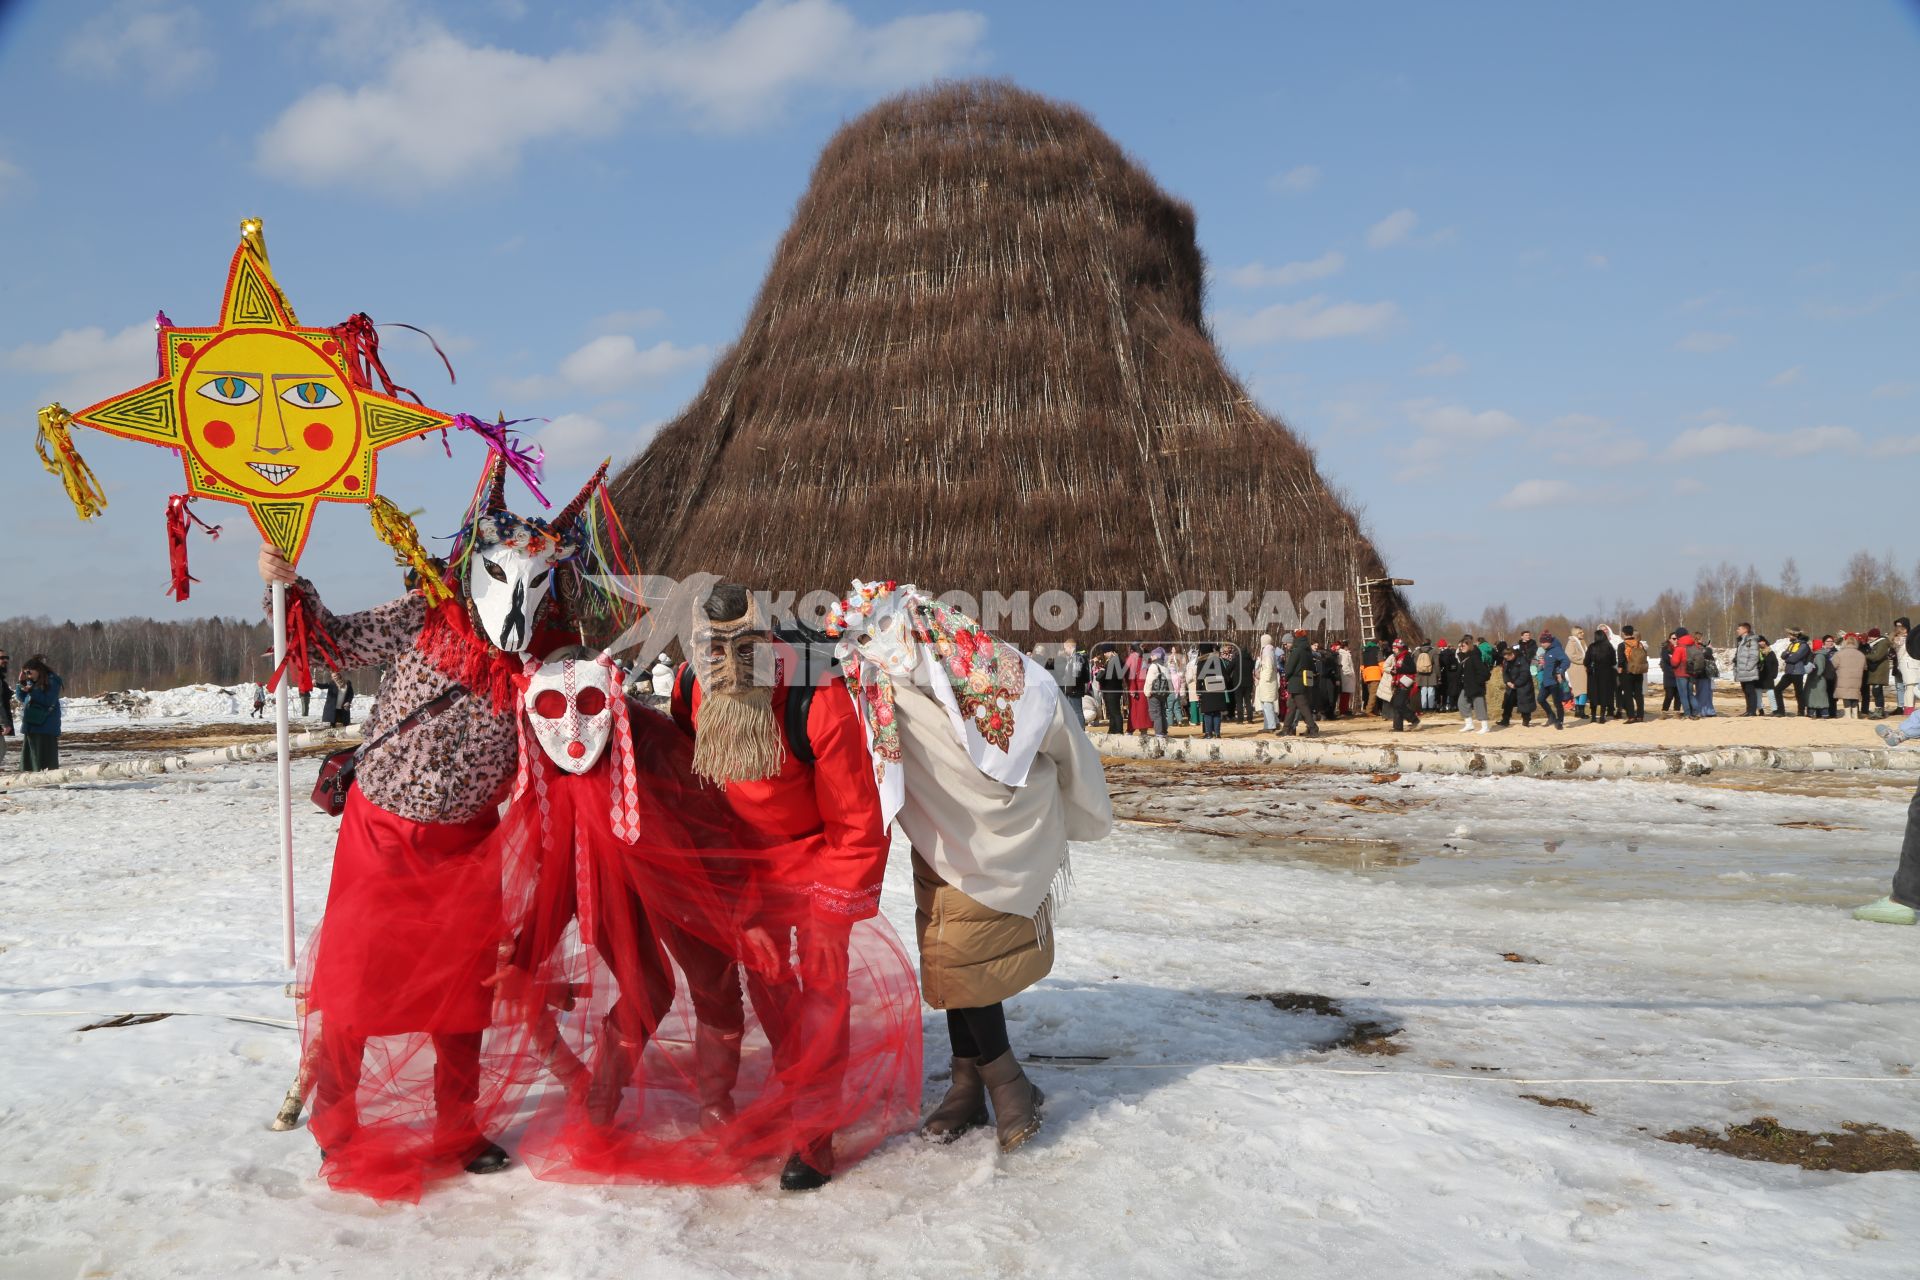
<point x="827" y="812"/>
<point x="1682" y="650"/>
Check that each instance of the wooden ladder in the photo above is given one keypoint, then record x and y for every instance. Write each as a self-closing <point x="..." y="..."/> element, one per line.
<point x="1364" y="597"/>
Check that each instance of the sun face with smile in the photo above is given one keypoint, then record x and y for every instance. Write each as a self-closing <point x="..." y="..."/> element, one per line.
<point x="265" y="412"/>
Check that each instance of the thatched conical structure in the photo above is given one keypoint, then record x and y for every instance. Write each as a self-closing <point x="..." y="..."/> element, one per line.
<point x="979" y="362"/>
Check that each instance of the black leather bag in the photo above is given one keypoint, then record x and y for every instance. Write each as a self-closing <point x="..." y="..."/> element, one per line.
<point x="337" y="770"/>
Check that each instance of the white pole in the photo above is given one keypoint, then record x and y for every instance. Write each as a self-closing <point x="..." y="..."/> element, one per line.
<point x="286" y="770"/>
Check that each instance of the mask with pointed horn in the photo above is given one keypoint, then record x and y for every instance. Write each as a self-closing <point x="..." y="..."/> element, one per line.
<point x="510" y="571"/>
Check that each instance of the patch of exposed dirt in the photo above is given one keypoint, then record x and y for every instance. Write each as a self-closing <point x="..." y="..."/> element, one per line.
<point x="1857" y="1148"/>
<point x="1571" y="1104"/>
<point x="1514" y="957"/>
<point x="157" y="738"/>
<point x="1362" y="1035"/>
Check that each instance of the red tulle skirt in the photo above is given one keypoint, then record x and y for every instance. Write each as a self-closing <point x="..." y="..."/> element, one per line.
<point x="664" y="1010"/>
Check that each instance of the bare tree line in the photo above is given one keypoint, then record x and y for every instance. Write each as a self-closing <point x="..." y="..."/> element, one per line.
<point x="142" y="653"/>
<point x="1872" y="592"/>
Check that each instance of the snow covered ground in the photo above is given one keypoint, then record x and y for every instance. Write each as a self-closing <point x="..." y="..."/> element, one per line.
<point x="188" y="704"/>
<point x="1674" y="941"/>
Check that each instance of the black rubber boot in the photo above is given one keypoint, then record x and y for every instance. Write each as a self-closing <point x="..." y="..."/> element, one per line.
<point x="801" y="1176"/>
<point x="489" y="1159"/>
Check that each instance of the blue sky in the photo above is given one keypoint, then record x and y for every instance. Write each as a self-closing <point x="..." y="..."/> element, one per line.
<point x="1572" y="302"/>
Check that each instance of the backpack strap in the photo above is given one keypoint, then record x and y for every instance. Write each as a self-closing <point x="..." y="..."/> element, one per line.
<point x="681" y="703"/>
<point x="794" y="723"/>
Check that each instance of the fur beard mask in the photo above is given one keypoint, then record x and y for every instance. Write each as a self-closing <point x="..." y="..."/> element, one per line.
<point x="737" y="737"/>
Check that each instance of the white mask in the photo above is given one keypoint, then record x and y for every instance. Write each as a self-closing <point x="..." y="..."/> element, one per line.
<point x="885" y="638"/>
<point x="570" y="706"/>
<point x="508" y="585"/>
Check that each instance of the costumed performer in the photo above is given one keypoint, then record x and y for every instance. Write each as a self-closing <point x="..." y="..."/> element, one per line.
<point x="990" y="778"/>
<point x="397" y="1004"/>
<point x="789" y="755"/>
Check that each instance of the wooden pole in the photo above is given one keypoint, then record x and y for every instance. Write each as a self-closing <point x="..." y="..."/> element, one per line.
<point x="281" y="734"/>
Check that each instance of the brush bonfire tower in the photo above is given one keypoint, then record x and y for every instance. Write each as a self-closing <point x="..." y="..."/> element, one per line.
<point x="979" y="362"/>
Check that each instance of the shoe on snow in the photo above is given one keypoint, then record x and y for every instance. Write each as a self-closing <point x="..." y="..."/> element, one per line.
<point x="1885" y="911"/>
<point x="489" y="1159"/>
<point x="801" y="1176"/>
<point x="1888" y="735"/>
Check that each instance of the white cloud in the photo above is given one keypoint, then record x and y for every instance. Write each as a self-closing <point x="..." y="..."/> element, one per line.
<point x="1297" y="180"/>
<point x="1443" y="429"/>
<point x="1730" y="437"/>
<point x="1445" y="366"/>
<point x="1583" y="440"/>
<point x="1598" y="261"/>
<point x="12" y="178"/>
<point x="1307" y="321"/>
<point x="1392" y="229"/>
<point x="1700" y="340"/>
<point x="1893" y="390"/>
<point x="157" y="47"/>
<point x="1898" y="446"/>
<point x="577" y="441"/>
<point x="83" y="366"/>
<point x="443" y="111"/>
<point x="1257" y="274"/>
<point x="1787" y="377"/>
<point x="609" y="363"/>
<point x="1537" y="493"/>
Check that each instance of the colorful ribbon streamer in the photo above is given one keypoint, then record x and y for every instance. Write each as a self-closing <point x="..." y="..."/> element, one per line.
<point x="525" y="460"/>
<point x="179" y="512"/>
<point x="395" y="528"/>
<point x="303" y="633"/>
<point x="359" y="340"/>
<point x="54" y="444"/>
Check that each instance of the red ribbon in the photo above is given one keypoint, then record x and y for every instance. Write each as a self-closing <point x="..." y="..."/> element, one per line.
<point x="304" y="633"/>
<point x="179" y="511"/>
<point x="360" y="341"/>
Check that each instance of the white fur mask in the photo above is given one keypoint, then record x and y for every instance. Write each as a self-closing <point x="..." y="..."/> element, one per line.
<point x="508" y="585"/>
<point x="885" y="636"/>
<point x="570" y="706"/>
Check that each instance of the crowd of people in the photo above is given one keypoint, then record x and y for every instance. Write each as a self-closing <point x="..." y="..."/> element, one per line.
<point x="1143" y="688"/>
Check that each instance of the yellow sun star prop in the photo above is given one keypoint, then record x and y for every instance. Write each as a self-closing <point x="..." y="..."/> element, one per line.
<point x="264" y="412"/>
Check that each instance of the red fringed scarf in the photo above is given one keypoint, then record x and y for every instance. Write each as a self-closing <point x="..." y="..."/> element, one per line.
<point x="178" y="513"/>
<point x="463" y="655"/>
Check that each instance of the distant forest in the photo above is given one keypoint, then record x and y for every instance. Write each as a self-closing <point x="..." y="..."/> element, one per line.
<point x="141" y="653"/>
<point x="1872" y="592"/>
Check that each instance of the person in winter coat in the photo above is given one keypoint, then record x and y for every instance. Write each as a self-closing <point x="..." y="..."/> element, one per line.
<point x="1819" y="683"/>
<point x="1159" y="691"/>
<point x="1632" y="668"/>
<point x="1849" y="677"/>
<point x="1906" y="663"/>
<point x="1795" y="662"/>
<point x="1746" y="666"/>
<point x="1496" y="675"/>
<point x="1193" y="686"/>
<point x="1576" y="648"/>
<point x="1603" y="665"/>
<point x="1550" y="665"/>
<point x="1472" y="678"/>
<point x="1516" y="674"/>
<point x="1879" y="651"/>
<point x="1349" y="678"/>
<point x="1406" y="681"/>
<point x="1369" y="677"/>
<point x="1426" y="675"/>
<point x="1266" y="684"/>
<point x="1446" y="665"/>
<point x="1301" y="676"/>
<point x="1113" y="689"/>
<point x="1670" y="687"/>
<point x="1177" y="700"/>
<point x="1215" y="682"/>
<point x="39" y="694"/>
<point x="1326" y="682"/>
<point x="1070" y="672"/>
<point x="1683" y="644"/>
<point x="6" y="710"/>
<point x="1139" y="717"/>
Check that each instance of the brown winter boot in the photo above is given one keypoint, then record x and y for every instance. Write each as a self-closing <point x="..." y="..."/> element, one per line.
<point x="963" y="1109"/>
<point x="612" y="1073"/>
<point x="716" y="1059"/>
<point x="1016" y="1100"/>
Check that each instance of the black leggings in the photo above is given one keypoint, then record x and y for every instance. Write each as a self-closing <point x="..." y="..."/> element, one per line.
<point x="978" y="1033"/>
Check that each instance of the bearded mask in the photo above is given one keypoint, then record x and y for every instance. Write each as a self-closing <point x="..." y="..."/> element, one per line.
<point x="736" y="736"/>
<point x="569" y="703"/>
